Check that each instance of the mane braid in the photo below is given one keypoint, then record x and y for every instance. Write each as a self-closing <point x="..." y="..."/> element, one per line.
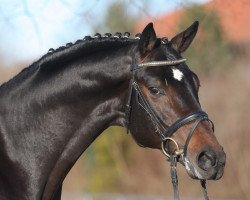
<point x="81" y="47"/>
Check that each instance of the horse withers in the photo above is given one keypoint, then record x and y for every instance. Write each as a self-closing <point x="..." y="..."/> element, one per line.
<point x="54" y="109"/>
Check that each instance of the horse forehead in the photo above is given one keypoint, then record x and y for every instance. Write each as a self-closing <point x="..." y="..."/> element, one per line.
<point x="177" y="72"/>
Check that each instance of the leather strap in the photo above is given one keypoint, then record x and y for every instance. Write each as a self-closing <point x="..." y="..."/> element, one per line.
<point x="185" y="120"/>
<point x="173" y="172"/>
<point x="143" y="103"/>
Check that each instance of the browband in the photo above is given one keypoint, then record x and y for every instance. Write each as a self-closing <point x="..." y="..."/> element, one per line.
<point x="161" y="63"/>
<point x="134" y="66"/>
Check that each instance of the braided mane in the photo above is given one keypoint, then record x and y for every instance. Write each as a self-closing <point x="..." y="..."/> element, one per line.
<point x="87" y="45"/>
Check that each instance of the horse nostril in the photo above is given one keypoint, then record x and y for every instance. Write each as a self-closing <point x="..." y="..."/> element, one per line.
<point x="206" y="160"/>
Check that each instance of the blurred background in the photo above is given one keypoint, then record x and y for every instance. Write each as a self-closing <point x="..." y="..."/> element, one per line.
<point x="114" y="167"/>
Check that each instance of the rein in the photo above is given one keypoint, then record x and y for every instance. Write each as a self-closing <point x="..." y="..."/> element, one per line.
<point x="165" y="133"/>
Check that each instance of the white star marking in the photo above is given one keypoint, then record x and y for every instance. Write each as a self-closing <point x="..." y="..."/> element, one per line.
<point x="177" y="74"/>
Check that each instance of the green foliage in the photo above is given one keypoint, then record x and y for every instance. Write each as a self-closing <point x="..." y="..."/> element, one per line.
<point x="210" y="49"/>
<point x="105" y="161"/>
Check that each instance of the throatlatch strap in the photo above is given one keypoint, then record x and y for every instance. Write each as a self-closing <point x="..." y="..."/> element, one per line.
<point x="128" y="104"/>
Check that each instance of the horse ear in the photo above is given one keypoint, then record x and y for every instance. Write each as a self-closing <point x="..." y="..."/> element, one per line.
<point x="147" y="40"/>
<point x="182" y="41"/>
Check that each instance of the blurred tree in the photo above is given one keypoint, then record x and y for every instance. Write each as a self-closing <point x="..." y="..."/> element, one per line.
<point x="211" y="50"/>
<point x="117" y="19"/>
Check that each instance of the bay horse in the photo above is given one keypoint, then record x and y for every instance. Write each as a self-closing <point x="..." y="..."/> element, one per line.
<point x="54" y="109"/>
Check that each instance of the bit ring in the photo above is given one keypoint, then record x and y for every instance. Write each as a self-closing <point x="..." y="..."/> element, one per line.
<point x="177" y="152"/>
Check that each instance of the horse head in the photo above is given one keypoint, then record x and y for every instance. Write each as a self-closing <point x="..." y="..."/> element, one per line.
<point x="165" y="112"/>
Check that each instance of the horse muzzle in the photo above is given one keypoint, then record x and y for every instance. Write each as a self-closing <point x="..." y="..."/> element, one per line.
<point x="209" y="165"/>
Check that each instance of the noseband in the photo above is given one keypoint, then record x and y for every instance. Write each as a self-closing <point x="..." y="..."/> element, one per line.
<point x="165" y="133"/>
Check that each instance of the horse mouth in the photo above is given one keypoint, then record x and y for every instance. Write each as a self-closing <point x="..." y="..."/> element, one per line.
<point x="195" y="172"/>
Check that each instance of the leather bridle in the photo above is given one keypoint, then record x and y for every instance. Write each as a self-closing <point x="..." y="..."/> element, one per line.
<point x="165" y="133"/>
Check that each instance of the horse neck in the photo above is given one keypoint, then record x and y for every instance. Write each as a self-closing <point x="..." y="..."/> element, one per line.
<point x="104" y="94"/>
<point x="61" y="111"/>
<point x="95" y="81"/>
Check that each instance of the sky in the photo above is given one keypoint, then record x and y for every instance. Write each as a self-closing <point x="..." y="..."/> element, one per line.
<point x="30" y="27"/>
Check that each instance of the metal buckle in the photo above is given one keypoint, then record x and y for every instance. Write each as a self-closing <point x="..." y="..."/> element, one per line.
<point x="177" y="152"/>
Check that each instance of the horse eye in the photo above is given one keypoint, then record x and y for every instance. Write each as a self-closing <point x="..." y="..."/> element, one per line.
<point x="154" y="90"/>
